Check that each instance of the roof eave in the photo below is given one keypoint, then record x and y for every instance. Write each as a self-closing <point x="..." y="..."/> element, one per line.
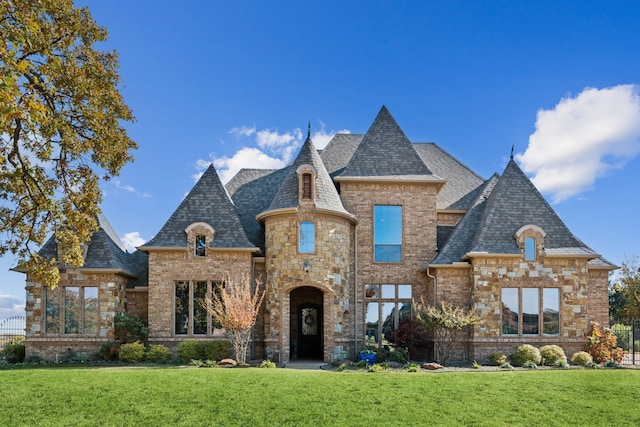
<point x="288" y="211"/>
<point x="392" y="180"/>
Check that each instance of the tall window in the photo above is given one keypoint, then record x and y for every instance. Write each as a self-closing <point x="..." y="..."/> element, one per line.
<point x="387" y="233"/>
<point x="72" y="310"/>
<point x="307" y="193"/>
<point x="190" y="314"/>
<point x="307" y="237"/>
<point x="530" y="311"/>
<point x="201" y="245"/>
<point x="387" y="306"/>
<point x="529" y="249"/>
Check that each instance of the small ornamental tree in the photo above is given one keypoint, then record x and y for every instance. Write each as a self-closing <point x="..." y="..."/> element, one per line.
<point x="602" y="344"/>
<point x="447" y="323"/>
<point x="235" y="307"/>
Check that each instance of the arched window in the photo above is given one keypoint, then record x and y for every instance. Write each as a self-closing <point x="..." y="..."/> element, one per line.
<point x="306" y="186"/>
<point x="306" y="241"/>
<point x="201" y="246"/>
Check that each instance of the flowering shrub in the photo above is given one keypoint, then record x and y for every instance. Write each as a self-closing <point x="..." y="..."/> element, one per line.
<point x="581" y="358"/>
<point x="602" y="344"/>
<point x="552" y="354"/>
<point x="526" y="353"/>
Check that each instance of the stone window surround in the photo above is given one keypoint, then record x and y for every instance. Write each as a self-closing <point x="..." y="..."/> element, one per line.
<point x="531" y="231"/>
<point x="212" y="331"/>
<point x="541" y="307"/>
<point x="195" y="230"/>
<point x="302" y="170"/>
<point x="60" y="293"/>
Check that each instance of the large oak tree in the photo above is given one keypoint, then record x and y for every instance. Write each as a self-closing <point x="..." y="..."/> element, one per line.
<point x="61" y="129"/>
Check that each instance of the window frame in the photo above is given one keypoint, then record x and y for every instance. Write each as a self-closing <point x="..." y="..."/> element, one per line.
<point x="377" y="295"/>
<point x="200" y="246"/>
<point x="530" y="246"/>
<point x="303" y="249"/>
<point x="543" y="317"/>
<point x="193" y="309"/>
<point x="86" y="310"/>
<point x="391" y="237"/>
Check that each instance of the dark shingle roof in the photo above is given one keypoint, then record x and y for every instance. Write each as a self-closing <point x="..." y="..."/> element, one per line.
<point x="326" y="195"/>
<point x="207" y="202"/>
<point x="461" y="181"/>
<point x="252" y="191"/>
<point x="338" y="152"/>
<point x="385" y="151"/>
<point x="462" y="237"/>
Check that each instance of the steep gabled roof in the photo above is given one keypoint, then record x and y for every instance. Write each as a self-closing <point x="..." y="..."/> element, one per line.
<point x="207" y="202"/>
<point x="516" y="202"/>
<point x="252" y="191"/>
<point x="461" y="180"/>
<point x="461" y="239"/>
<point x="326" y="195"/>
<point x="339" y="150"/>
<point x="386" y="152"/>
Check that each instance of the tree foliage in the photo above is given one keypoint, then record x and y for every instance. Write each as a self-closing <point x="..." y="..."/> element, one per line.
<point x="236" y="308"/>
<point x="624" y="296"/>
<point x="447" y="323"/>
<point x="61" y="118"/>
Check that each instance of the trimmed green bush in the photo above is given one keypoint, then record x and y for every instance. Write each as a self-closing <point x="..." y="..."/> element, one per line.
<point x="189" y="350"/>
<point x="552" y="354"/>
<point x="267" y="364"/>
<point x="525" y="353"/>
<point x="130" y="329"/>
<point x="581" y="358"/>
<point x="158" y="353"/>
<point x="109" y="350"/>
<point x="132" y="352"/>
<point x="497" y="359"/>
<point x="217" y="350"/>
<point x="13" y="351"/>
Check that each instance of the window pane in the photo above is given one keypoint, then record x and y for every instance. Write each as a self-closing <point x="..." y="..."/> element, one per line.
<point x="404" y="291"/>
<point x="90" y="318"/>
<point x="372" y="291"/>
<point x="216" y="289"/>
<point x="309" y="321"/>
<point x="529" y="249"/>
<point x="404" y="312"/>
<point x="307" y="237"/>
<point x="388" y="321"/>
<point x="510" y="313"/>
<point x="182" y="308"/>
<point x="71" y="310"/>
<point x="530" y="311"/>
<point x="201" y="246"/>
<point x="387" y="233"/>
<point x="551" y="311"/>
<point x="199" y="312"/>
<point x="389" y="291"/>
<point x="372" y="322"/>
<point x="52" y="308"/>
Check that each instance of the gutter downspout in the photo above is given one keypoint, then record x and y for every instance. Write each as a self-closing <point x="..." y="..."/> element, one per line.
<point x="435" y="297"/>
<point x="355" y="304"/>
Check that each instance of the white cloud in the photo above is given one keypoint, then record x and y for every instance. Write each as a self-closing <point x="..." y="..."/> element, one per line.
<point x="11" y="305"/>
<point x="119" y="185"/>
<point x="132" y="240"/>
<point x="246" y="157"/>
<point x="582" y="139"/>
<point x="243" y="131"/>
<point x="263" y="149"/>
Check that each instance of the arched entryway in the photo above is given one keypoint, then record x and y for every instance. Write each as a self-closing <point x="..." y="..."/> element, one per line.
<point x="306" y="324"/>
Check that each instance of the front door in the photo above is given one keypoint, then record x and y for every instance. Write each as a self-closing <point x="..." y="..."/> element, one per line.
<point x="310" y="331"/>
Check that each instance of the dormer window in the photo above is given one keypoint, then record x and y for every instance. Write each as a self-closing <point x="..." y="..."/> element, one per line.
<point x="201" y="246"/>
<point x="306" y="182"/>
<point x="530" y="249"/>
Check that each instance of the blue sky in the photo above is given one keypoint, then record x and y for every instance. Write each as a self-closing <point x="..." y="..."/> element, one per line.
<point x="235" y="83"/>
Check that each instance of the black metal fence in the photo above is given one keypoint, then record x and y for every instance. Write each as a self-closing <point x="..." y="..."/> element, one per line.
<point x="629" y="340"/>
<point x="10" y="328"/>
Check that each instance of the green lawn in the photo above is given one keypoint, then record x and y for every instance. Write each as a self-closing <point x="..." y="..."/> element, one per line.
<point x="275" y="397"/>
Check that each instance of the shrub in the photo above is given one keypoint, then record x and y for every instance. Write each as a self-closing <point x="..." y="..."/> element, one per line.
<point x="581" y="358"/>
<point x="506" y="365"/>
<point x="132" y="352"/>
<point x="109" y="350"/>
<point x="561" y="363"/>
<point x="611" y="364"/>
<point x="217" y="350"/>
<point x="496" y="359"/>
<point x="525" y="353"/>
<point x="361" y="364"/>
<point x="189" y="350"/>
<point x="13" y="351"/>
<point x="378" y="367"/>
<point x="551" y="354"/>
<point x="129" y="329"/>
<point x="529" y="365"/>
<point x="602" y="344"/>
<point x="267" y="364"/>
<point x="475" y="365"/>
<point x="399" y="355"/>
<point x="158" y="353"/>
<point x="413" y="367"/>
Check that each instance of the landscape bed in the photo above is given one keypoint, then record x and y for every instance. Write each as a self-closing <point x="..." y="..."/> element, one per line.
<point x="255" y="397"/>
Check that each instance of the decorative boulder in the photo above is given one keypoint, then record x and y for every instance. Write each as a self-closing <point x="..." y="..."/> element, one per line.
<point x="432" y="366"/>
<point x="227" y="362"/>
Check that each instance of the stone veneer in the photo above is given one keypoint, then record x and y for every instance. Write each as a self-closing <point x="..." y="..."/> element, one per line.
<point x="111" y="300"/>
